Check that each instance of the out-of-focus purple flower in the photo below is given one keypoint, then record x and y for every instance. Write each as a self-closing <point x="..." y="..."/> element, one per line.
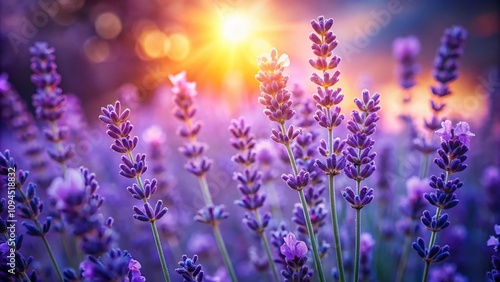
<point x="293" y="248"/>
<point x="181" y="86"/>
<point x="406" y="50"/>
<point x="63" y="189"/>
<point x="154" y="135"/>
<point x="49" y="102"/>
<point x="491" y="181"/>
<point x="416" y="187"/>
<point x="494" y="240"/>
<point x="494" y="274"/>
<point x="366" y="247"/>
<point x="448" y="272"/>
<point x="15" y="114"/>
<point x="115" y="265"/>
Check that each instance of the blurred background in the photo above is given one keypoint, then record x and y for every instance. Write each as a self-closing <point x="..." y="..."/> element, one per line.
<point x="111" y="49"/>
<point x="102" y="45"/>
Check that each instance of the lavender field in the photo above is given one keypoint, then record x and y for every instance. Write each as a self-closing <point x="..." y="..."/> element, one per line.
<point x="207" y="140"/>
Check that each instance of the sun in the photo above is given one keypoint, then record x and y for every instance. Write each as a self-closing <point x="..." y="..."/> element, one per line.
<point x="236" y="28"/>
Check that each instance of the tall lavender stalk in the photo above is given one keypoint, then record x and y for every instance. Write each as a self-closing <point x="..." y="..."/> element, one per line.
<point x="328" y="115"/>
<point x="249" y="184"/>
<point x="198" y="164"/>
<point x="15" y="114"/>
<point x="29" y="205"/>
<point x="455" y="143"/>
<point x="445" y="71"/>
<point x="277" y="103"/>
<point x="119" y="129"/>
<point x="360" y="160"/>
<point x="49" y="102"/>
<point x="405" y="50"/>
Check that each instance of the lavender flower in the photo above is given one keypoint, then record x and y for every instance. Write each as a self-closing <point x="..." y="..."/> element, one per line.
<point x="76" y="198"/>
<point x="199" y="165"/>
<point x="405" y="50"/>
<point x="445" y="69"/>
<point x="451" y="160"/>
<point x="277" y="103"/>
<point x="494" y="274"/>
<point x="360" y="160"/>
<point x="119" y="129"/>
<point x="49" y="101"/>
<point x="277" y="240"/>
<point x="295" y="256"/>
<point x="115" y="265"/>
<point x="189" y="270"/>
<point x="448" y="272"/>
<point x="29" y="205"/>
<point x="490" y="181"/>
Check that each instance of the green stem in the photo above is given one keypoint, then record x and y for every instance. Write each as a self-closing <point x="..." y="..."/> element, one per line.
<point x="433" y="236"/>
<point x="160" y="251"/>
<point x="426" y="271"/>
<point x="312" y="237"/>
<point x="45" y="242"/>
<point x="154" y="230"/>
<point x="205" y="191"/>
<point x="267" y="248"/>
<point x="26" y="277"/>
<point x="47" y="246"/>
<point x="58" y="145"/>
<point x="310" y="231"/>
<point x="269" y="256"/>
<point x="290" y="153"/>
<point x="358" y="229"/>
<point x="357" y="247"/>
<point x="225" y="255"/>
<point x="338" y="247"/>
<point x="425" y="166"/>
<point x="220" y="242"/>
<point x="404" y="259"/>
<point x="275" y="204"/>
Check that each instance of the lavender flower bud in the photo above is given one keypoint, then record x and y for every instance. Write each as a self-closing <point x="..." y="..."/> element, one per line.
<point x="189" y="270"/>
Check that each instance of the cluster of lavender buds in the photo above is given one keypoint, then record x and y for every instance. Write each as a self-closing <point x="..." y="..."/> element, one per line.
<point x="29" y="204"/>
<point x="360" y="162"/>
<point x="494" y="274"/>
<point x="119" y="129"/>
<point x="189" y="270"/>
<point x="405" y="50"/>
<point x="455" y="143"/>
<point x="76" y="199"/>
<point x="115" y="265"/>
<point x="412" y="205"/>
<point x="250" y="180"/>
<point x="49" y="101"/>
<point x="445" y="69"/>
<point x="249" y="183"/>
<point x="295" y="257"/>
<point x="198" y="164"/>
<point x="13" y="265"/>
<point x="15" y="114"/>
